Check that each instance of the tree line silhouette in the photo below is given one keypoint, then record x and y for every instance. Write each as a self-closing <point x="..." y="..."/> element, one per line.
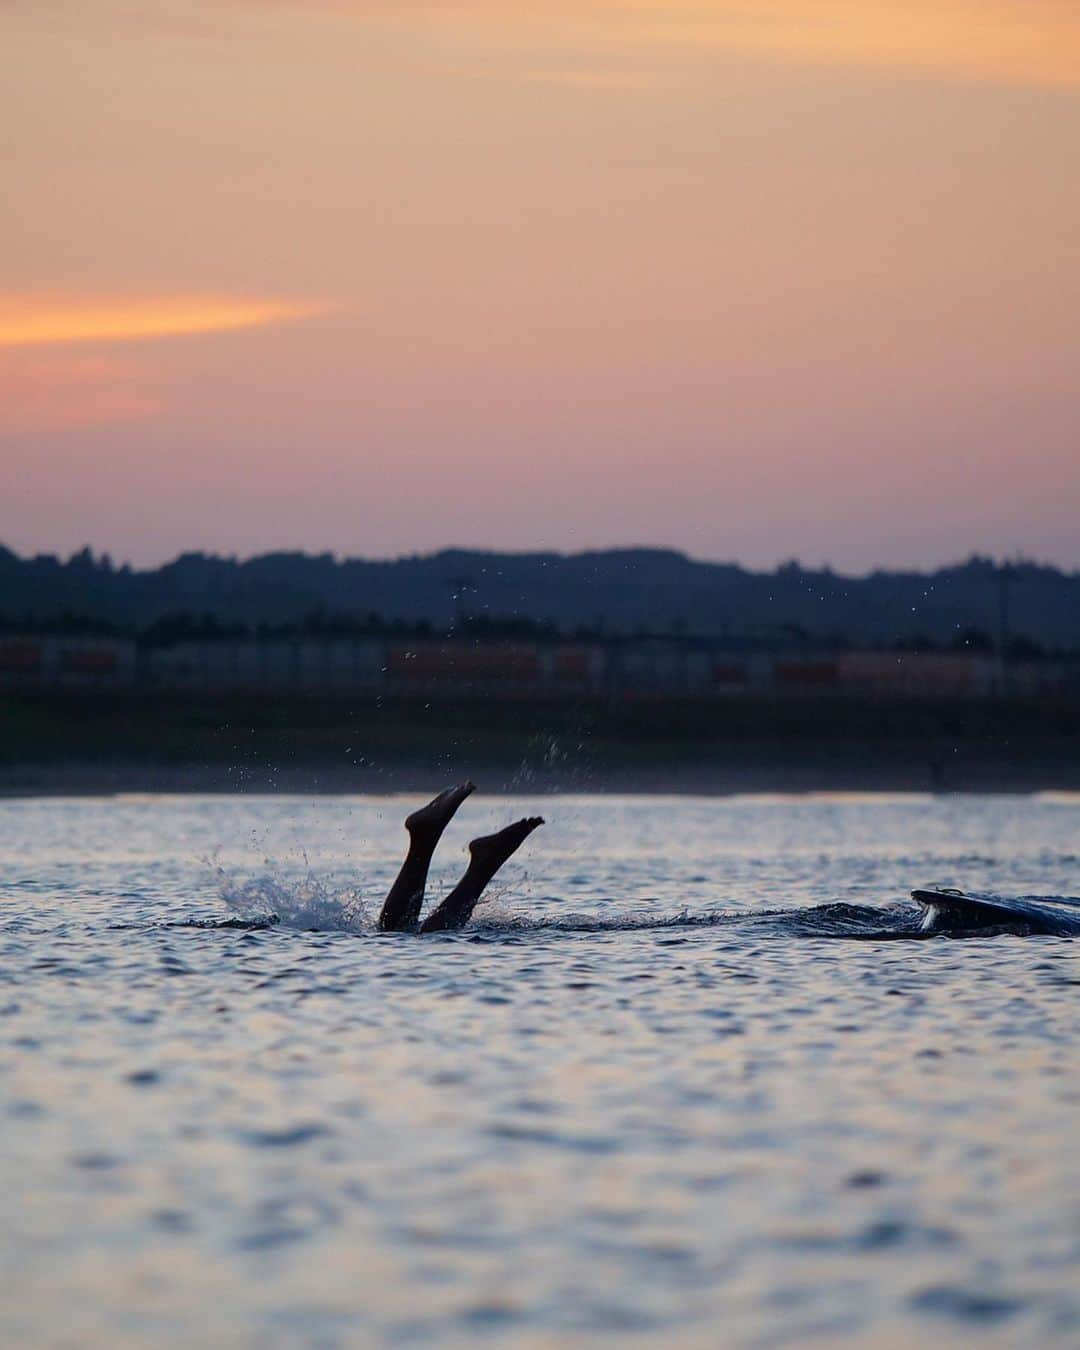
<point x="1023" y="608"/>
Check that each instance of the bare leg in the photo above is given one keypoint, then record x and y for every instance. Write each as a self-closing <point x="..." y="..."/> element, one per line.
<point x="401" y="909"/>
<point x="486" y="856"/>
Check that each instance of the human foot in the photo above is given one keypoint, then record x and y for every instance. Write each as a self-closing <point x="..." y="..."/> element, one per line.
<point x="490" y="851"/>
<point x="487" y="855"/>
<point x="429" y="821"/>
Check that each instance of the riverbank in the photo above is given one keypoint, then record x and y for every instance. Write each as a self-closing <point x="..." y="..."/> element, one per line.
<point x="90" y="744"/>
<point x="119" y="778"/>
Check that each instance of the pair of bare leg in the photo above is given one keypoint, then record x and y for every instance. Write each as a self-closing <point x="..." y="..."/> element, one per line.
<point x="401" y="909"/>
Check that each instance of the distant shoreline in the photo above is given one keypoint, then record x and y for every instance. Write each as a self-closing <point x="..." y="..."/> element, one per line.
<point x="74" y="745"/>
<point x="115" y="778"/>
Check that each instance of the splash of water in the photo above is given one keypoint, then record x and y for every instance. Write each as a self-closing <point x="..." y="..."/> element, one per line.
<point x="307" y="902"/>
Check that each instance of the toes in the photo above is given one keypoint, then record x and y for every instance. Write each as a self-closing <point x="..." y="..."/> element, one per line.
<point x="508" y="838"/>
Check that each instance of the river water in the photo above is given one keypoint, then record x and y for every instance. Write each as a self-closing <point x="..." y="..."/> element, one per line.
<point x="652" y="1095"/>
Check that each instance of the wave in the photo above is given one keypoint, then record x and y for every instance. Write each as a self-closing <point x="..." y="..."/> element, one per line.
<point x="312" y="903"/>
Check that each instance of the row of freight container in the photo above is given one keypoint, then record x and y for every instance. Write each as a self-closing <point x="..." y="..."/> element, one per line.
<point x="67" y="660"/>
<point x="628" y="666"/>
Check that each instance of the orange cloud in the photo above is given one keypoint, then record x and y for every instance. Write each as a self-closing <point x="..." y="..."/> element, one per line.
<point x="1035" y="42"/>
<point x="1013" y="41"/>
<point x="33" y="322"/>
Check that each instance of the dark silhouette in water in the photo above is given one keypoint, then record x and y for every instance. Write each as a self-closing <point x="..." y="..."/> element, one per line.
<point x="401" y="909"/>
<point x="948" y="910"/>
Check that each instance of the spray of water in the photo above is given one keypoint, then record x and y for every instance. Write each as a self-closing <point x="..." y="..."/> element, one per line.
<point x="304" y="902"/>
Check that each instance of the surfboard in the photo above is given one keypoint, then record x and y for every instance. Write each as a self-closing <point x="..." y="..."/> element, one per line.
<point x="949" y="910"/>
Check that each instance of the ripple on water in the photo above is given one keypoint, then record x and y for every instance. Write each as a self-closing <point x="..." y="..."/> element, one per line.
<point x="976" y="1307"/>
<point x="285" y="1138"/>
<point x="233" y="1114"/>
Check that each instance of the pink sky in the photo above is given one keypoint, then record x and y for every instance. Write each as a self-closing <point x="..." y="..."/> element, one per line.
<point x="798" y="278"/>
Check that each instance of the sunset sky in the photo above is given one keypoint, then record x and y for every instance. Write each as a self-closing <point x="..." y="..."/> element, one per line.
<point x="752" y="278"/>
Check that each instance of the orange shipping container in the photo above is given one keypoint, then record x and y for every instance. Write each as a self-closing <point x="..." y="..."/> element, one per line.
<point x="87" y="661"/>
<point x="805" y="674"/>
<point x="572" y="663"/>
<point x="20" y="656"/>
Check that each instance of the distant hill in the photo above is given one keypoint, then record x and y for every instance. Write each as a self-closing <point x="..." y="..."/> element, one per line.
<point x="614" y="591"/>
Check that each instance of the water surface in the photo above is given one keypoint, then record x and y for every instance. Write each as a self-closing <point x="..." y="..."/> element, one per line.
<point x="648" y="1096"/>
